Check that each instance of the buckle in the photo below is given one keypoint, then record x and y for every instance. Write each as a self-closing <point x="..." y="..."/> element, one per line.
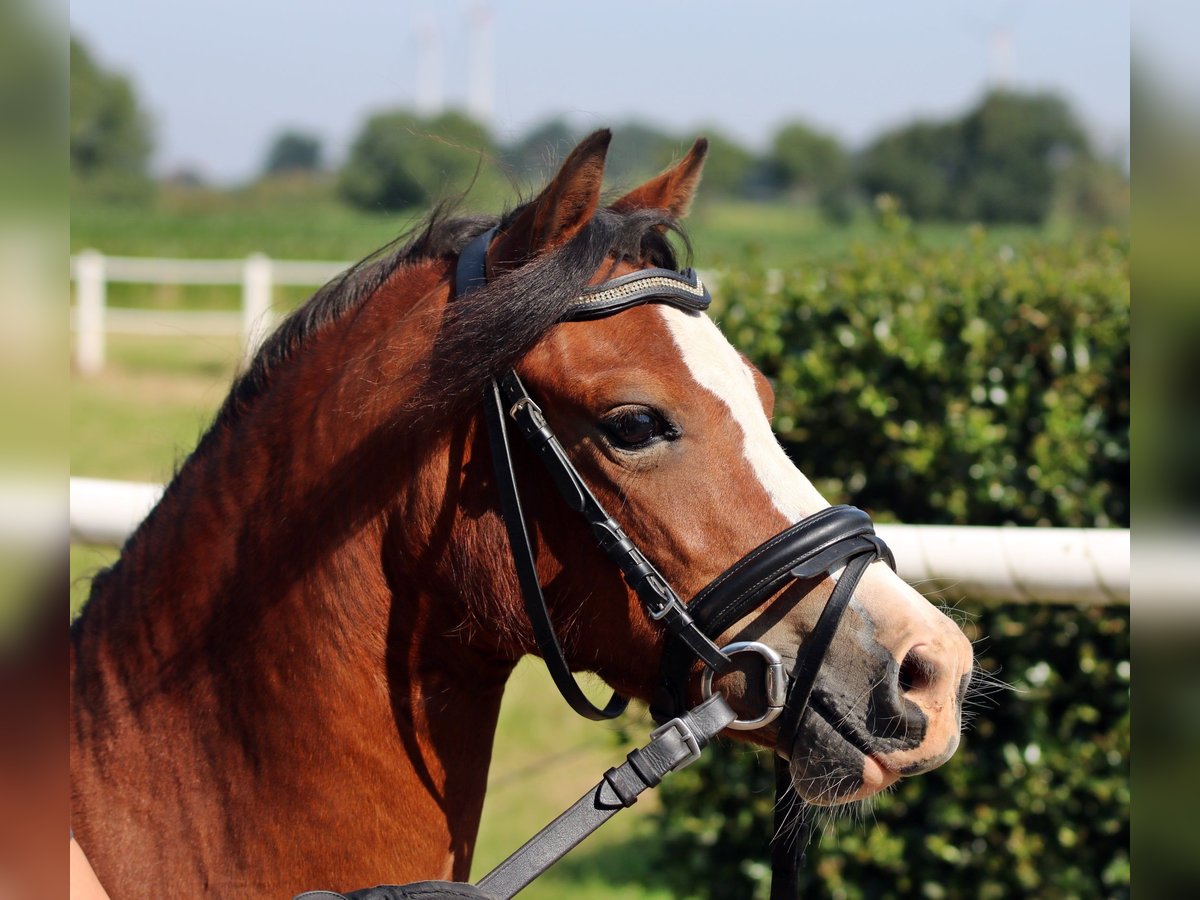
<point x="776" y="684"/>
<point x="526" y="403"/>
<point x="686" y="735"/>
<point x="668" y="598"/>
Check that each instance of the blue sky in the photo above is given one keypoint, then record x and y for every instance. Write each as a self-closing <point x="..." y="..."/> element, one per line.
<point x="222" y="77"/>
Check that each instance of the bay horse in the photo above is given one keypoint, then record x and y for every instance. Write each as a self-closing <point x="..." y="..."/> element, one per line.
<point x="291" y="676"/>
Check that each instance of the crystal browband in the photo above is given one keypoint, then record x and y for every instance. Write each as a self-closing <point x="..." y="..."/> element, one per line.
<point x="682" y="289"/>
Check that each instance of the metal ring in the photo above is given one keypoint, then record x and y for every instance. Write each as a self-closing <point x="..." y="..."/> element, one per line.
<point x="776" y="683"/>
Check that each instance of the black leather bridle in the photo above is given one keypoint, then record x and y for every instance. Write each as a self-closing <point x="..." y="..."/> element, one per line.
<point x="838" y="537"/>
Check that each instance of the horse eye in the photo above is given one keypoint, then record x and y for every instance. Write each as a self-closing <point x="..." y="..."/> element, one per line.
<point x="634" y="427"/>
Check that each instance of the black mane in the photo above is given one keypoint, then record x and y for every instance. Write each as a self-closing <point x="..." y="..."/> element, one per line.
<point x="484" y="333"/>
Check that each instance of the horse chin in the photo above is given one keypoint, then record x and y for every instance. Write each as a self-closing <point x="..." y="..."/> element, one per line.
<point x="828" y="770"/>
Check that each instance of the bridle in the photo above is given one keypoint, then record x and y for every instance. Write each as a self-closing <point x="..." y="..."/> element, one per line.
<point x="838" y="537"/>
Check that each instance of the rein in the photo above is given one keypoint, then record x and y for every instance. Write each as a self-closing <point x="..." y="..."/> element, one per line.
<point x="839" y="537"/>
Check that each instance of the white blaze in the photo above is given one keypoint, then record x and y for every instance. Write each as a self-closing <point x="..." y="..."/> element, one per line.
<point x="895" y="607"/>
<point x="720" y="369"/>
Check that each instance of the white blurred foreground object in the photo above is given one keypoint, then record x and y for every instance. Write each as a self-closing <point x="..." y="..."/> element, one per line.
<point x="1033" y="565"/>
<point x="1037" y="565"/>
<point x="107" y="512"/>
<point x="258" y="275"/>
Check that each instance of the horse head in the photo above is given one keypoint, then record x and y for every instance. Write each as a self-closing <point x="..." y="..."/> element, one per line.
<point x="669" y="427"/>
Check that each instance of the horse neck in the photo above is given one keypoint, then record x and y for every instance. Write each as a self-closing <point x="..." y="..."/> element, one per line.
<point x="268" y="608"/>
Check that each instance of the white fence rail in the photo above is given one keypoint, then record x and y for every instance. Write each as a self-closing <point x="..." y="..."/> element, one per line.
<point x="257" y="274"/>
<point x="1035" y="565"/>
<point x="1084" y="566"/>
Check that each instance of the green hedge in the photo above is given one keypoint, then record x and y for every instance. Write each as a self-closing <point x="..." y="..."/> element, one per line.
<point x="972" y="386"/>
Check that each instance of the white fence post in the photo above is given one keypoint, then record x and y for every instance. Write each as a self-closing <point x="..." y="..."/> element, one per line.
<point x="256" y="304"/>
<point x="89" y="298"/>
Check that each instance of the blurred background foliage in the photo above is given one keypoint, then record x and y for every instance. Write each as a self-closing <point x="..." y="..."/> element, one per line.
<point x="111" y="137"/>
<point x="976" y="385"/>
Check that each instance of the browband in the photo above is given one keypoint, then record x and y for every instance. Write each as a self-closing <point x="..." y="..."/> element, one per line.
<point x="683" y="289"/>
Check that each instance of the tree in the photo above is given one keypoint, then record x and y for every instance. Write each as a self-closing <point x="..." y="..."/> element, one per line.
<point x="638" y="152"/>
<point x="110" y="135"/>
<point x="293" y="151"/>
<point x="1016" y="146"/>
<point x="811" y="163"/>
<point x="540" y="149"/>
<point x="401" y="160"/>
<point x="1001" y="162"/>
<point x="1095" y="191"/>
<point x="920" y="164"/>
<point x="728" y="168"/>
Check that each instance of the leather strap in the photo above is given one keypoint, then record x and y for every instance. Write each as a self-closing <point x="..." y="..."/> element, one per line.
<point x="808" y="549"/>
<point x="811" y="547"/>
<point x="814" y="650"/>
<point x="791" y="838"/>
<point x="682" y="289"/>
<point x="418" y="890"/>
<point x="526" y="566"/>
<point x="661" y="602"/>
<point x="672" y="747"/>
<point x="470" y="273"/>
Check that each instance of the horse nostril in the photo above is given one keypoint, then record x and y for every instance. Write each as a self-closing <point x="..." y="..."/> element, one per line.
<point x="916" y="672"/>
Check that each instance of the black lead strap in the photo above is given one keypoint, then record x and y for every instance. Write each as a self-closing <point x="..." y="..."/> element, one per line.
<point x="672" y="747"/>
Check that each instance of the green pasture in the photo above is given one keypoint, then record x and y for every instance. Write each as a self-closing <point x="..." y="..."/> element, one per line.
<point x="724" y="235"/>
<point x="776" y="234"/>
<point x="727" y="235"/>
<point x="140" y="417"/>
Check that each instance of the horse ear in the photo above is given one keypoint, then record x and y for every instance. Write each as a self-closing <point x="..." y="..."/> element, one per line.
<point x="561" y="210"/>
<point x="673" y="189"/>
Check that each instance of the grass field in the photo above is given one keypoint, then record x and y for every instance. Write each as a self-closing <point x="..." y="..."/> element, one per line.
<point x="223" y="227"/>
<point x="778" y="234"/>
<point x="141" y="416"/>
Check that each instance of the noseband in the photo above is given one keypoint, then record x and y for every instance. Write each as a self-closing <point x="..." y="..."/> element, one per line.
<point x="838" y="537"/>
